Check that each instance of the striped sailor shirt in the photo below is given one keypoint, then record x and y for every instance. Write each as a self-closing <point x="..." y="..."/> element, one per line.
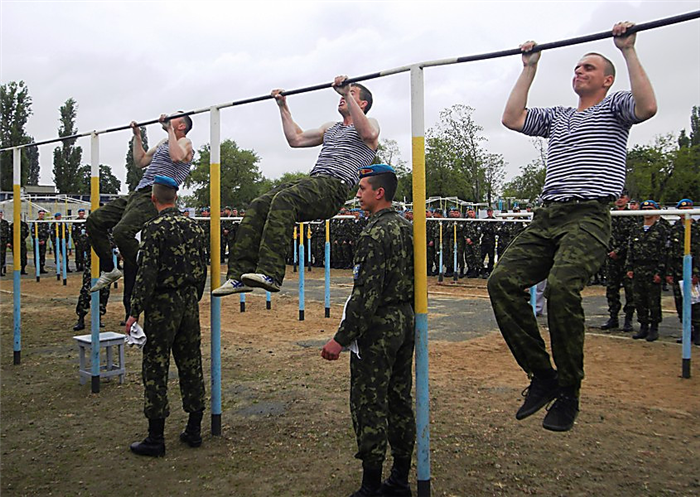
<point x="162" y="165"/>
<point x="342" y="154"/>
<point x="587" y="151"/>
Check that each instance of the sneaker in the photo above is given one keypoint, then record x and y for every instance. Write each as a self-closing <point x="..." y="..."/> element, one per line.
<point x="258" y="280"/>
<point x="537" y="395"/>
<point x="231" y="287"/>
<point x="562" y="414"/>
<point x="106" y="279"/>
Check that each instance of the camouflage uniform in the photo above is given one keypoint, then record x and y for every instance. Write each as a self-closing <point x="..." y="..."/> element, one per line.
<point x="488" y="244"/>
<point x="505" y="236"/>
<point x="172" y="272"/>
<point x="471" y="232"/>
<point x="449" y="254"/>
<point x="57" y="243"/>
<point x="379" y="315"/>
<point x="5" y="238"/>
<point x="646" y="257"/>
<point x="431" y="244"/>
<point x="43" y="231"/>
<point x="565" y="244"/>
<point x="621" y="229"/>
<point x="85" y="298"/>
<point x="262" y="244"/>
<point x="80" y="245"/>
<point x="318" y="244"/>
<point x="674" y="267"/>
<point x="205" y="224"/>
<point x="336" y="243"/>
<point x="24" y="233"/>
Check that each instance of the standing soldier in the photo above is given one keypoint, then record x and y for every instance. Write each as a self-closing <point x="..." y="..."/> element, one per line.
<point x="205" y="224"/>
<point x="488" y="242"/>
<point x="80" y="241"/>
<point x="378" y="325"/>
<point x="471" y="244"/>
<point x="621" y="229"/>
<point x="225" y="232"/>
<point x="674" y="267"/>
<point x="172" y="273"/>
<point x="430" y="230"/>
<point x="24" y="233"/>
<point x="646" y="267"/>
<point x="43" y="235"/>
<point x="449" y="239"/>
<point x="505" y="235"/>
<point x="5" y="240"/>
<point x="232" y="230"/>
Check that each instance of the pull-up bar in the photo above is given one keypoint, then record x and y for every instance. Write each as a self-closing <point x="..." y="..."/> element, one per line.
<point x="668" y="21"/>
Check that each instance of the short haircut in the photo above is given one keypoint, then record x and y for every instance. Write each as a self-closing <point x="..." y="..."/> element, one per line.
<point x="164" y="194"/>
<point x="187" y="120"/>
<point x="365" y="95"/>
<point x="609" y="69"/>
<point x="388" y="181"/>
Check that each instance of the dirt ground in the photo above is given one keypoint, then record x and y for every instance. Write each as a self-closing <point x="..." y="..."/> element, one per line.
<point x="286" y="421"/>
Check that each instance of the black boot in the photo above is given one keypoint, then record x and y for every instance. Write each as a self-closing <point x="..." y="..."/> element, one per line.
<point x="192" y="435"/>
<point x="397" y="483"/>
<point x="627" y="327"/>
<point x="371" y="482"/>
<point x="653" y="332"/>
<point x="42" y="270"/>
<point x="80" y="324"/>
<point x="611" y="324"/>
<point x="154" y="444"/>
<point x="24" y="270"/>
<point x="643" y="332"/>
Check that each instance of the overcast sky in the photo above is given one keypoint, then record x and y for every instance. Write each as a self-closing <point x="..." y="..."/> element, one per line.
<point x="124" y="61"/>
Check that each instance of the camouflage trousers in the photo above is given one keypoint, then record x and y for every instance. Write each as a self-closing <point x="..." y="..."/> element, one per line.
<point x="647" y="295"/>
<point x="171" y="323"/>
<point x="262" y="241"/>
<point x="82" y="252"/>
<point x="451" y="257"/>
<point x="125" y="217"/>
<point x="85" y="298"/>
<point x="490" y="250"/>
<point x="565" y="244"/>
<point x="42" y="253"/>
<point x="22" y="253"/>
<point x="472" y="259"/>
<point x="380" y="387"/>
<point x="616" y="278"/>
<point x="3" y="252"/>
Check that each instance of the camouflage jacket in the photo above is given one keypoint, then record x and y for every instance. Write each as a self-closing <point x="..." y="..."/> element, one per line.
<point x="676" y="249"/>
<point x="5" y="233"/>
<point x="44" y="230"/>
<point x="487" y="230"/>
<point x="382" y="272"/>
<point x="648" y="248"/>
<point x="620" y="231"/>
<point x="24" y="232"/>
<point x="172" y="256"/>
<point x="79" y="235"/>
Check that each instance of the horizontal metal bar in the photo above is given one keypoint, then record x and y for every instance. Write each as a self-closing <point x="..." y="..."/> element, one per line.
<point x="455" y="60"/>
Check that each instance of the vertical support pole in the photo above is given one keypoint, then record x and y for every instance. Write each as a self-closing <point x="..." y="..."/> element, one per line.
<point x="687" y="312"/>
<point x="37" y="261"/>
<point x="295" y="249"/>
<point x="533" y="299"/>
<point x="455" y="275"/>
<point x="57" y="250"/>
<point x="441" y="275"/>
<point x="268" y="300"/>
<point x="308" y="245"/>
<point x="327" y="269"/>
<point x="421" y="282"/>
<point x="95" y="267"/>
<point x="17" y="250"/>
<point x="301" y="272"/>
<point x="215" y="255"/>
<point x="114" y="261"/>
<point x="241" y="298"/>
<point x="64" y="251"/>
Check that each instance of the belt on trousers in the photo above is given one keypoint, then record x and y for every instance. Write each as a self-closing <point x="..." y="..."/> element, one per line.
<point x="572" y="201"/>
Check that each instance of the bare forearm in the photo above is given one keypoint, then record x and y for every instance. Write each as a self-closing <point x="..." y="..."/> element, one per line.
<point x="177" y="154"/>
<point x="138" y="152"/>
<point x="516" y="107"/>
<point x="644" y="98"/>
<point x="292" y="131"/>
<point x="364" y="127"/>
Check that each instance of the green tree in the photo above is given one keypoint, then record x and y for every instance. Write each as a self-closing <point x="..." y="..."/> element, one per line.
<point x="240" y="175"/>
<point x="15" y="109"/>
<point x="109" y="183"/>
<point x="651" y="167"/>
<point x="134" y="173"/>
<point x="34" y="166"/>
<point x="67" y="158"/>
<point x="388" y="152"/>
<point x="530" y="182"/>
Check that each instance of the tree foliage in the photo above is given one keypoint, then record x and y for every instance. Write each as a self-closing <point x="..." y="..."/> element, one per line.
<point x="109" y="183"/>
<point x="15" y="109"/>
<point x="388" y="152"/>
<point x="34" y="166"/>
<point x="134" y="173"/>
<point x="240" y="176"/>
<point x="529" y="183"/>
<point x="67" y="158"/>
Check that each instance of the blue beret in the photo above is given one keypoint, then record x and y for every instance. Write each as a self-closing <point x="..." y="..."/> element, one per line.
<point x="81" y="210"/>
<point x="375" y="169"/>
<point x="650" y="203"/>
<point x="165" y="181"/>
<point x="686" y="202"/>
<point x="57" y="214"/>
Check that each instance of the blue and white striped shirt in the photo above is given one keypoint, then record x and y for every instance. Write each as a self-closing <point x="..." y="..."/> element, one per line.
<point x="342" y="154"/>
<point x="162" y="165"/>
<point x="587" y="151"/>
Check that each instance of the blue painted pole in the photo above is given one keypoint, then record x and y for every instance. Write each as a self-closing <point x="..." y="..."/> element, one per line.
<point x="242" y="300"/>
<point x="268" y="300"/>
<point x="308" y="244"/>
<point x="65" y="257"/>
<point x="215" y="349"/>
<point x="37" y="258"/>
<point x="533" y="299"/>
<point x="215" y="279"/>
<point x="95" y="267"/>
<point x="301" y="272"/>
<point x="57" y="252"/>
<point x="16" y="255"/>
<point x="455" y="275"/>
<point x="114" y="261"/>
<point x="441" y="275"/>
<point x="327" y="268"/>
<point x="687" y="283"/>
<point x="296" y="258"/>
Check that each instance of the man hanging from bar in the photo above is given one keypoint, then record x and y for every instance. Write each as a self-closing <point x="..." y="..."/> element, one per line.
<point x="257" y="258"/>
<point x="172" y="157"/>
<point x="378" y="326"/>
<point x="568" y="238"/>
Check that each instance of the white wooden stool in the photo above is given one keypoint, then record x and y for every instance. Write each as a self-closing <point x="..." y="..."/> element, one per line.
<point x="107" y="340"/>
